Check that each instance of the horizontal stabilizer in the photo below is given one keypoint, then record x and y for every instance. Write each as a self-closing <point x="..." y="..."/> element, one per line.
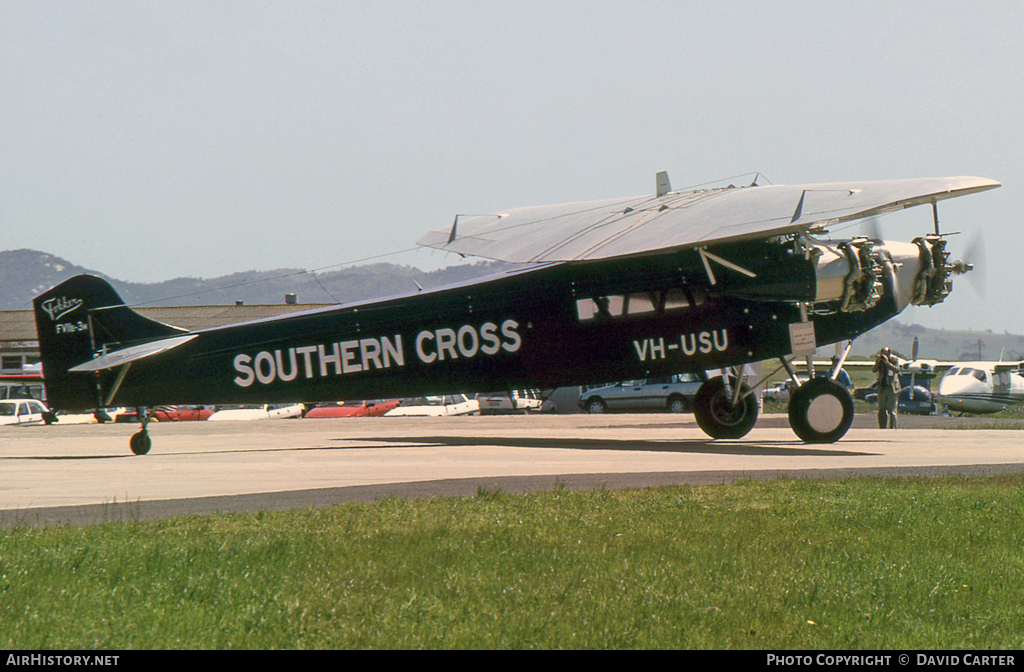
<point x="132" y="354"/>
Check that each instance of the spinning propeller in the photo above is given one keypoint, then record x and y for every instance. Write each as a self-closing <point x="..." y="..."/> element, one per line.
<point x="972" y="259"/>
<point x="974" y="254"/>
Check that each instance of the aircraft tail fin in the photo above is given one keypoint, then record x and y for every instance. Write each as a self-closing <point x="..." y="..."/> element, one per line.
<point x="77" y="320"/>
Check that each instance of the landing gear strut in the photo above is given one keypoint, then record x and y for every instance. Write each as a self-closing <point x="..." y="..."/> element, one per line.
<point x="718" y="415"/>
<point x="140" y="442"/>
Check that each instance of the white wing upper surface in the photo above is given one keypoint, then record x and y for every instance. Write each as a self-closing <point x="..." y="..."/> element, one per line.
<point x="627" y="226"/>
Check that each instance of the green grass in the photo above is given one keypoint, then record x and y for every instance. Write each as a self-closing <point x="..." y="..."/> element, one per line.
<point x="868" y="564"/>
<point x="1015" y="412"/>
<point x="1008" y="418"/>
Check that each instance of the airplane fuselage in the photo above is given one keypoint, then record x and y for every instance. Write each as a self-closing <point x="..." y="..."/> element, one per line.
<point x="611" y="289"/>
<point x="980" y="387"/>
<point x="554" y="325"/>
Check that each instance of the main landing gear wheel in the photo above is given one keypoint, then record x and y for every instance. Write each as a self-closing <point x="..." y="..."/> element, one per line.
<point x="140" y="442"/>
<point x="821" y="411"/>
<point x="716" y="414"/>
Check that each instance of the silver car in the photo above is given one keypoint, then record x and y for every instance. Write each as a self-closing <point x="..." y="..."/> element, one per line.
<point x="518" y="401"/>
<point x="666" y="393"/>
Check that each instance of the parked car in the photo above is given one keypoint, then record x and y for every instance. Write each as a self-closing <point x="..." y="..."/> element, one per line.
<point x="449" y="404"/>
<point x="181" y="413"/>
<point x="782" y="391"/>
<point x="916" y="400"/>
<point x="88" y="417"/>
<point x="22" y="412"/>
<point x="353" y="409"/>
<point x="126" y="415"/>
<point x="666" y="393"/>
<point x="778" y="391"/>
<point x="519" y="401"/>
<point x="561" y="400"/>
<point x="264" y="412"/>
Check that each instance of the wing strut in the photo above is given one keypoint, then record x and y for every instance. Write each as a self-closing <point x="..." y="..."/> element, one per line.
<point x="117" y="384"/>
<point x="705" y="255"/>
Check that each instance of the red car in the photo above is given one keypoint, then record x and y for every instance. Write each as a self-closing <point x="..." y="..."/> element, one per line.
<point x="353" y="409"/>
<point x="181" y="413"/>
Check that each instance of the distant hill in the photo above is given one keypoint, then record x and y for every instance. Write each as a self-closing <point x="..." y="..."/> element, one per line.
<point x="942" y="344"/>
<point x="27" y="273"/>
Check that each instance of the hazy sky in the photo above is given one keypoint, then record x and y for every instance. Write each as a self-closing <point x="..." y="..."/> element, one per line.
<point x="150" y="140"/>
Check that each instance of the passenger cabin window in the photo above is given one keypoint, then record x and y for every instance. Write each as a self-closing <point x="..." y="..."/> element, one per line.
<point x="977" y="373"/>
<point x="618" y="306"/>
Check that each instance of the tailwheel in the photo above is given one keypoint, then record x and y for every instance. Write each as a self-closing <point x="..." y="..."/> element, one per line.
<point x="716" y="414"/>
<point x="140" y="442"/>
<point x="821" y="411"/>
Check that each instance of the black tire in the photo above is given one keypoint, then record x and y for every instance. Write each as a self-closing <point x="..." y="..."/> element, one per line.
<point x="140" y="442"/>
<point x="716" y="415"/>
<point x="821" y="411"/>
<point x="596" y="405"/>
<point x="677" y="404"/>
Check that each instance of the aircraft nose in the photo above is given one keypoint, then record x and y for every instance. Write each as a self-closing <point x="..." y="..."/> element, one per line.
<point x="907" y="267"/>
<point x="953" y="386"/>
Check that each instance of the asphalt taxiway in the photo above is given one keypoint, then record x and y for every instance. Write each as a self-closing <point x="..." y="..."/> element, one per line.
<point x="85" y="474"/>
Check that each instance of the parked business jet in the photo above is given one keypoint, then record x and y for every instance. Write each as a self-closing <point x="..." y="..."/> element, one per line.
<point x="981" y="387"/>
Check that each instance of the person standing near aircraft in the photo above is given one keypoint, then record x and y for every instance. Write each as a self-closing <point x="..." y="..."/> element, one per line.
<point x="887" y="385"/>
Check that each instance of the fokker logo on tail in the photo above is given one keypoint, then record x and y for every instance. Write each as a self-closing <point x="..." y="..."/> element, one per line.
<point x="58" y="308"/>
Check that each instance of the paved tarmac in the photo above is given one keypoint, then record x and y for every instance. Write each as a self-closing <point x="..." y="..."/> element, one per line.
<point x="85" y="474"/>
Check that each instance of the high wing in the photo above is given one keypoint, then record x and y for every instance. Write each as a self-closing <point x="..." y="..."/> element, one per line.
<point x="618" y="227"/>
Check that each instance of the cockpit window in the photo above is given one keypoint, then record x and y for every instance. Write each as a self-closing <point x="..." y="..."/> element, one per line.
<point x="617" y="306"/>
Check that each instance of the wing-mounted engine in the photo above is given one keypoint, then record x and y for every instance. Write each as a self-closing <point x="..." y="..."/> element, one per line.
<point x="862" y="286"/>
<point x="851" y="274"/>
